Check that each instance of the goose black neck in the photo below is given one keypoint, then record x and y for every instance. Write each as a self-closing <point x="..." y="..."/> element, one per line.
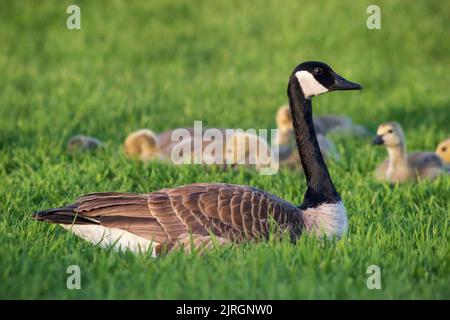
<point x="320" y="187"/>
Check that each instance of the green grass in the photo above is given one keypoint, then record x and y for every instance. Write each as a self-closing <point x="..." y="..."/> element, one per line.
<point x="164" y="64"/>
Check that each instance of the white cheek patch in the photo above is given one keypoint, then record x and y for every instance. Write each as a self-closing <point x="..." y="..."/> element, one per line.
<point x="310" y="86"/>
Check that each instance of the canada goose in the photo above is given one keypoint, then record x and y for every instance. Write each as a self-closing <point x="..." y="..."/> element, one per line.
<point x="285" y="145"/>
<point x="83" y="143"/>
<point x="197" y="214"/>
<point x="401" y="166"/>
<point x="324" y="124"/>
<point x="443" y="151"/>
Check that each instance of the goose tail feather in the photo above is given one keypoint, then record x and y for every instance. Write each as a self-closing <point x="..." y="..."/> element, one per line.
<point x="63" y="215"/>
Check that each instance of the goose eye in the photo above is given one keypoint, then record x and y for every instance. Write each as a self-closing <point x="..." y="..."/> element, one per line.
<point x="444" y="149"/>
<point x="390" y="131"/>
<point x="318" y="71"/>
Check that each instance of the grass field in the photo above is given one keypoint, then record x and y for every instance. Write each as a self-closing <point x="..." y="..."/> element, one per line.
<point x="163" y="64"/>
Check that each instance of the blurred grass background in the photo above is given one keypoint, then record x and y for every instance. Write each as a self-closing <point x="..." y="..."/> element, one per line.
<point x="163" y="64"/>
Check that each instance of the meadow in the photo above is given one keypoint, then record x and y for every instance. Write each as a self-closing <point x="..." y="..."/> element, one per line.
<point x="163" y="64"/>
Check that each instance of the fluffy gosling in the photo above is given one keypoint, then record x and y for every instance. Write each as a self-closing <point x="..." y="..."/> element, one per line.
<point x="142" y="144"/>
<point x="443" y="151"/>
<point x="401" y="166"/>
<point x="83" y="143"/>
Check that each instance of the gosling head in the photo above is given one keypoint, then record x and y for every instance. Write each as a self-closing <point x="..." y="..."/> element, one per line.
<point x="389" y="134"/>
<point x="141" y="144"/>
<point x="283" y="119"/>
<point x="317" y="77"/>
<point x="443" y="150"/>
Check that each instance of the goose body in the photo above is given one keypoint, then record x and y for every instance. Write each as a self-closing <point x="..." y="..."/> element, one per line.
<point x="401" y="166"/>
<point x="198" y="215"/>
<point x="231" y="212"/>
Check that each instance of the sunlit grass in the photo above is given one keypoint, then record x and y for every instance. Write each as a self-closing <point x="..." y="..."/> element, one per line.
<point x="164" y="64"/>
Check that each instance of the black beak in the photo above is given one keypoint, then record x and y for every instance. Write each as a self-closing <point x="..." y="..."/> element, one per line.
<point x="343" y="84"/>
<point x="378" y="140"/>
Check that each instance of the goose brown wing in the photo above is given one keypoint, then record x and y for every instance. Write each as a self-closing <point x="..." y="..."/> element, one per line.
<point x="229" y="211"/>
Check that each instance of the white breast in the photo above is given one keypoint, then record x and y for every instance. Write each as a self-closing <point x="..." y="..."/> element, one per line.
<point x="329" y="219"/>
<point x="111" y="237"/>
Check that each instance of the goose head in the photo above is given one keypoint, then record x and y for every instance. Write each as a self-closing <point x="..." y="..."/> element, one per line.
<point x="317" y="77"/>
<point x="389" y="134"/>
<point x="443" y="150"/>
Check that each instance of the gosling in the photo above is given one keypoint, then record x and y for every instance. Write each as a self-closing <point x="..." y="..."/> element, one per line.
<point x="145" y="145"/>
<point x="400" y="166"/>
<point x="250" y="150"/>
<point x="83" y="143"/>
<point x="142" y="144"/>
<point x="443" y="151"/>
<point x="240" y="148"/>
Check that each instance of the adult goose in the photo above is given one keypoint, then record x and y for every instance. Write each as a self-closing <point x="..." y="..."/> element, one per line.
<point x="400" y="165"/>
<point x="200" y="214"/>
